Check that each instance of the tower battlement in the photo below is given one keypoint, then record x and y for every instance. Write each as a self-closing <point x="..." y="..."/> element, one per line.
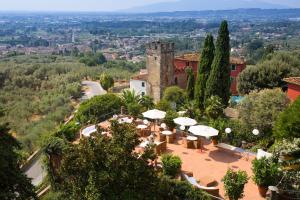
<point x="160" y="46"/>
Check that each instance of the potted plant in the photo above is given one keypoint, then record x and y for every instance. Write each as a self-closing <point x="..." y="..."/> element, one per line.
<point x="266" y="173"/>
<point x="171" y="165"/>
<point x="234" y="183"/>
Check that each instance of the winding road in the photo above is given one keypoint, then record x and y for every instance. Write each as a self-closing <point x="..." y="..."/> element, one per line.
<point x="92" y="89"/>
<point x="35" y="171"/>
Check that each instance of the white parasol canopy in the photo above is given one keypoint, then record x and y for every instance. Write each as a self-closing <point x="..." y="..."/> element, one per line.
<point x="185" y="121"/>
<point x="154" y="114"/>
<point x="89" y="130"/>
<point x="204" y="131"/>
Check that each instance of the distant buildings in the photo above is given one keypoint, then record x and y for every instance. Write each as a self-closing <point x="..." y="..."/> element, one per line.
<point x="293" y="87"/>
<point x="164" y="69"/>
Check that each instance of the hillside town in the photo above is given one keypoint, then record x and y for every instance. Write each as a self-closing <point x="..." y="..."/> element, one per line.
<point x="186" y="105"/>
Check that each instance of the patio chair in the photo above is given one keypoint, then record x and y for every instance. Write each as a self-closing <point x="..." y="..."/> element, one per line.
<point x="210" y="190"/>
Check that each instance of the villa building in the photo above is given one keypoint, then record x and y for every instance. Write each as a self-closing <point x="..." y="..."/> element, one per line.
<point x="293" y="87"/>
<point x="164" y="70"/>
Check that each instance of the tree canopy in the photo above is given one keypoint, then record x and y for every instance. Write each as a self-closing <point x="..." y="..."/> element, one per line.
<point x="190" y="88"/>
<point x="288" y="123"/>
<point x="218" y="83"/>
<point x="14" y="184"/>
<point x="270" y="72"/>
<point x="99" y="108"/>
<point x="106" y="81"/>
<point x="260" y="110"/>
<point x="204" y="69"/>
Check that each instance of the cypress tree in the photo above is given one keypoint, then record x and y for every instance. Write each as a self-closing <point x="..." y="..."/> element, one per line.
<point x="204" y="69"/>
<point x="190" y="83"/>
<point x="218" y="83"/>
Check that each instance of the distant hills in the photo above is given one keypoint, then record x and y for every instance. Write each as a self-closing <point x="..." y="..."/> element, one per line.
<point x="200" y="5"/>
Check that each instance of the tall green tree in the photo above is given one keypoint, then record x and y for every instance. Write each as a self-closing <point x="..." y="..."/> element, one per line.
<point x="204" y="68"/>
<point x="14" y="184"/>
<point x="218" y="83"/>
<point x="106" y="81"/>
<point x="190" y="87"/>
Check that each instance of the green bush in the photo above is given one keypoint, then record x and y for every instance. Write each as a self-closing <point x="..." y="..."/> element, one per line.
<point x="68" y="131"/>
<point x="163" y="105"/>
<point x="169" y="119"/>
<point x="175" y="95"/>
<point x="266" y="172"/>
<point x="288" y="122"/>
<point x="214" y="107"/>
<point x="234" y="183"/>
<point x="171" y="165"/>
<point x="99" y="108"/>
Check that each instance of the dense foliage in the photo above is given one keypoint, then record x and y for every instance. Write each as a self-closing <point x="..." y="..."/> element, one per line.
<point x="266" y="172"/>
<point x="259" y="110"/>
<point x="234" y="183"/>
<point x="206" y="59"/>
<point x="36" y="93"/>
<point x="99" y="108"/>
<point x="190" y="88"/>
<point x="171" y="165"/>
<point x="14" y="184"/>
<point x="93" y="59"/>
<point x="270" y="72"/>
<point x="106" y="81"/>
<point x="218" y="83"/>
<point x="288" y="122"/>
<point x="175" y="95"/>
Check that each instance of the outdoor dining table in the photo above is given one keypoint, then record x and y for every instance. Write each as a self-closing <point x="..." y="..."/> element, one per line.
<point x="142" y="127"/>
<point x="169" y="136"/>
<point x="192" y="141"/>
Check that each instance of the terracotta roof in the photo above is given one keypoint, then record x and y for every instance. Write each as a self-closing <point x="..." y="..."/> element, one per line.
<point x="140" y="77"/>
<point x="189" y="57"/>
<point x="293" y="80"/>
<point x="196" y="57"/>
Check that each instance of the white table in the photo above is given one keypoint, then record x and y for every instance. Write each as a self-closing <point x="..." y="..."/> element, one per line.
<point x="167" y="132"/>
<point x="191" y="138"/>
<point x="141" y="126"/>
<point x="125" y="120"/>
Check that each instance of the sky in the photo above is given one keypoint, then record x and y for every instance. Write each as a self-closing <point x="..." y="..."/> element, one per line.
<point x="73" y="5"/>
<point x="93" y="5"/>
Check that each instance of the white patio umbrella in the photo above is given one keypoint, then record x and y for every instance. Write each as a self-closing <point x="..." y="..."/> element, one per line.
<point x="204" y="131"/>
<point x="154" y="114"/>
<point x="185" y="121"/>
<point x="89" y="130"/>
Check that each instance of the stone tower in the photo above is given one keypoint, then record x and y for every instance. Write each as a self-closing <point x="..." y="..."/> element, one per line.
<point x="160" y="66"/>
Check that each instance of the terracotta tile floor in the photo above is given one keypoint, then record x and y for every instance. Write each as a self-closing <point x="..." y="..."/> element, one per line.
<point x="214" y="162"/>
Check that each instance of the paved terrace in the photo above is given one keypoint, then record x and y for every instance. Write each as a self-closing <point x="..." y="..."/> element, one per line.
<point x="214" y="162"/>
<point x="211" y="162"/>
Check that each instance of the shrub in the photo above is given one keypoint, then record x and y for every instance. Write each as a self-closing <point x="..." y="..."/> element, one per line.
<point x="175" y="95"/>
<point x="99" y="108"/>
<point x="234" y="183"/>
<point x="261" y="109"/>
<point x="214" y="107"/>
<point x="169" y="119"/>
<point x="266" y="172"/>
<point x="288" y="122"/>
<point x="163" y="105"/>
<point x="68" y="131"/>
<point x="106" y="81"/>
<point x="171" y="165"/>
